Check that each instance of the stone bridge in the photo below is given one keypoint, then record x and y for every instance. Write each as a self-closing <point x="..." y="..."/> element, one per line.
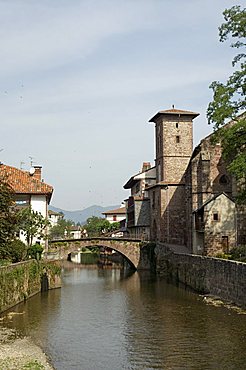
<point x="139" y="254"/>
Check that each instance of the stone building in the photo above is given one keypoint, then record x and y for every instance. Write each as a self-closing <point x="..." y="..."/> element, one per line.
<point x="138" y="203"/>
<point x="207" y="178"/>
<point x="174" y="145"/>
<point x="192" y="199"/>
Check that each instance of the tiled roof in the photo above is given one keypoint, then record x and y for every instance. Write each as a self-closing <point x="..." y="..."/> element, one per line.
<point x="118" y="211"/>
<point x="22" y="182"/>
<point x="174" y="112"/>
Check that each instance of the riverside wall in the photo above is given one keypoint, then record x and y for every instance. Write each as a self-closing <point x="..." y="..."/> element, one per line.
<point x="207" y="275"/>
<point x="22" y="280"/>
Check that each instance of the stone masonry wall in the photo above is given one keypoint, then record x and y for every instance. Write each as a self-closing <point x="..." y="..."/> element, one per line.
<point x="20" y="281"/>
<point x="207" y="275"/>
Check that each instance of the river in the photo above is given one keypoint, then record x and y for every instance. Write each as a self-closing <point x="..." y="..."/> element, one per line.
<point x="103" y="319"/>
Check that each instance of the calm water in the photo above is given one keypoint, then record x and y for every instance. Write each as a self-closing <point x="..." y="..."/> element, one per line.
<point x="102" y="320"/>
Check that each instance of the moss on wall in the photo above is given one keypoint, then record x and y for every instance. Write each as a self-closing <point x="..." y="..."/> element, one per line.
<point x="22" y="280"/>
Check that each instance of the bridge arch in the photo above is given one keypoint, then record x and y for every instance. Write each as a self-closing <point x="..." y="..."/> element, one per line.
<point x="130" y="249"/>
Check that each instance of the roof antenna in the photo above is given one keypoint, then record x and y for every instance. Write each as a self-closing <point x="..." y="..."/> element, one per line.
<point x="31" y="160"/>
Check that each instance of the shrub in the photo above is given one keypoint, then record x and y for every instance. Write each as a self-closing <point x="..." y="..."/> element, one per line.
<point x="16" y="251"/>
<point x="35" y="251"/>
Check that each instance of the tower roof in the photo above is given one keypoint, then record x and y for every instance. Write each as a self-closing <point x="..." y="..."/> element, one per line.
<point x="174" y="112"/>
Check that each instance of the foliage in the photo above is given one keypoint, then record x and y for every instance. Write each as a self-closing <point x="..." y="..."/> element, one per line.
<point x="35" y="251"/>
<point x="62" y="228"/>
<point x="33" y="365"/>
<point x="96" y="226"/>
<point x="7" y="214"/>
<point x="239" y="253"/>
<point x="33" y="224"/>
<point x="236" y="254"/>
<point x="16" y="251"/>
<point x="229" y="100"/>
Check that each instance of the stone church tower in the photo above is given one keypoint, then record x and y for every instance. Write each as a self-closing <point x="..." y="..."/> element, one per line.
<point x="174" y="145"/>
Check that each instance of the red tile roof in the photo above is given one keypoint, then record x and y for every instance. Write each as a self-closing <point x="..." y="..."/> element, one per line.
<point x="22" y="182"/>
<point x="118" y="211"/>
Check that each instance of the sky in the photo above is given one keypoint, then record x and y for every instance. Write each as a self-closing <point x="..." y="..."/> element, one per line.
<point x="79" y="80"/>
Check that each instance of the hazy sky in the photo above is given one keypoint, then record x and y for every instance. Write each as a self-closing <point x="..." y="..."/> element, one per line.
<point x="80" y="80"/>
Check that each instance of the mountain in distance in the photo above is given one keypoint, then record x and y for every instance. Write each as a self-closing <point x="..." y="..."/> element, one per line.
<point x="82" y="215"/>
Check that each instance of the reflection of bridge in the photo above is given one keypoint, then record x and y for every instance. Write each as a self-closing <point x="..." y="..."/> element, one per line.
<point x="134" y="250"/>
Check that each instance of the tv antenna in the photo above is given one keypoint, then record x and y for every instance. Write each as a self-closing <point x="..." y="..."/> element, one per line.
<point x="31" y="160"/>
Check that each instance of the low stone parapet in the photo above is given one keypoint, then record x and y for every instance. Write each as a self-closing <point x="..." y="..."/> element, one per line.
<point x="207" y="275"/>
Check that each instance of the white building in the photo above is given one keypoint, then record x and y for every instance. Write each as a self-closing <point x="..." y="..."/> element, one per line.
<point x="29" y="190"/>
<point x="116" y="215"/>
<point x="54" y="217"/>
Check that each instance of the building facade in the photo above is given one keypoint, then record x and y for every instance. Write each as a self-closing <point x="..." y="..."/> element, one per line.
<point x="174" y="145"/>
<point x="191" y="201"/>
<point x="138" y="203"/>
<point x="29" y="190"/>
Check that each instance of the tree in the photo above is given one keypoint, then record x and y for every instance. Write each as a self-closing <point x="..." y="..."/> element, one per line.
<point x="7" y="218"/>
<point x="229" y="101"/>
<point x="33" y="224"/>
<point x="62" y="228"/>
<point x="96" y="226"/>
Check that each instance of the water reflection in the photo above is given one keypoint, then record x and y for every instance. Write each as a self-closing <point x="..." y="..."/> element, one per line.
<point x="103" y="319"/>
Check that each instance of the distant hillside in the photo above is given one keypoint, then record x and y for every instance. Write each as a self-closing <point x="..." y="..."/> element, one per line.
<point x="81" y="216"/>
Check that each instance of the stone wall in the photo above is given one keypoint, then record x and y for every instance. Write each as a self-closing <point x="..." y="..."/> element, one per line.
<point x="206" y="275"/>
<point x="22" y="280"/>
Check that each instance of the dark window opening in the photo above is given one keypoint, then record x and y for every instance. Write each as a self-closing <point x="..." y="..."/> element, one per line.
<point x="177" y="125"/>
<point x="177" y="139"/>
<point x="223" y="180"/>
<point x="216" y="217"/>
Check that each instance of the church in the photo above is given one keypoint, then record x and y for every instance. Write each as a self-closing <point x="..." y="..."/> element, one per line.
<point x="190" y="204"/>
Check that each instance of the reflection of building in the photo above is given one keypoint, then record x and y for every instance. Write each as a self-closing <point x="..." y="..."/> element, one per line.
<point x="138" y="204"/>
<point x="29" y="189"/>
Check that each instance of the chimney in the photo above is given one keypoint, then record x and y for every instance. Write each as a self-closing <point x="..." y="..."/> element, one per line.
<point x="146" y="166"/>
<point x="38" y="172"/>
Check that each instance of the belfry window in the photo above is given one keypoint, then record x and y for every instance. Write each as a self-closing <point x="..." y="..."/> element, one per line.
<point x="223" y="180"/>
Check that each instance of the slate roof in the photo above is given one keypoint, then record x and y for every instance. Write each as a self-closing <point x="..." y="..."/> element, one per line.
<point x="211" y="199"/>
<point x="174" y="111"/>
<point x="22" y="182"/>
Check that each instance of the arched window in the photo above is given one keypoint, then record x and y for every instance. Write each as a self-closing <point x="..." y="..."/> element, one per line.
<point x="224" y="180"/>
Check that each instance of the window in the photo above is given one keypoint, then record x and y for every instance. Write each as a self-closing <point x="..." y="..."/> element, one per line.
<point x="114" y="217"/>
<point x="215" y="216"/>
<point x="177" y="125"/>
<point x="223" y="180"/>
<point x="177" y="139"/>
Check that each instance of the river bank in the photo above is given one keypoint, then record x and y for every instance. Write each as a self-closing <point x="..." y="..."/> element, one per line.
<point x="20" y="353"/>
